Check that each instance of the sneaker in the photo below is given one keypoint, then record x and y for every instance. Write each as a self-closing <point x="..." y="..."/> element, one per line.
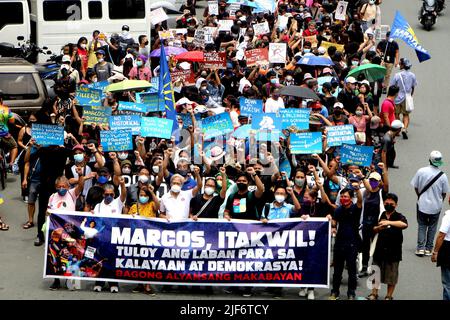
<point x="405" y="135"/>
<point x="428" y="253"/>
<point x="302" y="293"/>
<point x="25" y="199"/>
<point x="149" y="291"/>
<point x="114" y="289"/>
<point x="38" y="242"/>
<point x="73" y="284"/>
<point x="311" y="295"/>
<point x="98" y="289"/>
<point x="55" y="286"/>
<point x="333" y="296"/>
<point x="420" y="253"/>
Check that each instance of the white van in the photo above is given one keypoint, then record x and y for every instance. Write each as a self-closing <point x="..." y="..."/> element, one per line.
<point x="14" y="22"/>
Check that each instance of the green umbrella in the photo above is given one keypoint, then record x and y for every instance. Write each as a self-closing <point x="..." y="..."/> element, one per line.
<point x="371" y="72"/>
<point x="128" y="85"/>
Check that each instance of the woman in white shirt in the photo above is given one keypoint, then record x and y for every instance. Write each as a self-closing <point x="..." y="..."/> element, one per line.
<point x="274" y="103"/>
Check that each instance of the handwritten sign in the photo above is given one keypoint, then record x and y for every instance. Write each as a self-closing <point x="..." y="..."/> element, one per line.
<point x="48" y="135"/>
<point x="217" y="125"/>
<point x="97" y="115"/>
<point x="153" y="102"/>
<point x="88" y="97"/>
<point x="282" y="22"/>
<point x="249" y="107"/>
<point x="99" y="85"/>
<point x="133" y="106"/>
<point x="306" y="143"/>
<point x="156" y="127"/>
<point x="341" y="10"/>
<point x="213" y="8"/>
<point x="186" y="76"/>
<point x="257" y="57"/>
<point x="225" y="25"/>
<point x="157" y="16"/>
<point x="132" y="122"/>
<point x="277" y="52"/>
<point x="215" y="60"/>
<point x="261" y="28"/>
<point x="381" y="31"/>
<point x="293" y="117"/>
<point x="266" y="121"/>
<point x="209" y="33"/>
<point x="116" y="140"/>
<point x="199" y="38"/>
<point x="166" y="34"/>
<point x="339" y="135"/>
<point x="356" y="155"/>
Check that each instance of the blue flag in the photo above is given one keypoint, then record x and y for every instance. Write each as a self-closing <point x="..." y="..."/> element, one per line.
<point x="165" y="89"/>
<point x="402" y="30"/>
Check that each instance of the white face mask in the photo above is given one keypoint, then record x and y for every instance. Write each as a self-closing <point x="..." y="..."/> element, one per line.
<point x="83" y="45"/>
<point x="175" y="188"/>
<point x="101" y="60"/>
<point x="359" y="113"/>
<point x="126" y="170"/>
<point x="143" y="179"/>
<point x="279" y="198"/>
<point x="209" y="191"/>
<point x="372" y="1"/>
<point x="125" y="32"/>
<point x="155" y="169"/>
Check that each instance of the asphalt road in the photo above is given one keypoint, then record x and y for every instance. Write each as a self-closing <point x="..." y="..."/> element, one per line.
<point x="21" y="264"/>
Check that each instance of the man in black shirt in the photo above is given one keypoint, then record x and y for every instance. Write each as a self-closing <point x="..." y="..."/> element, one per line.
<point x="388" y="49"/>
<point x="347" y="96"/>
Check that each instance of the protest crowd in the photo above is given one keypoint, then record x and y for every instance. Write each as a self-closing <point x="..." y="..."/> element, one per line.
<point x="247" y="114"/>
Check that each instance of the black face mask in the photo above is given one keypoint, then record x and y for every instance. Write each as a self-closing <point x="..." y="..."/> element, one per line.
<point x="389" y="208"/>
<point x="146" y="43"/>
<point x="183" y="173"/>
<point x="337" y="112"/>
<point x="242" y="186"/>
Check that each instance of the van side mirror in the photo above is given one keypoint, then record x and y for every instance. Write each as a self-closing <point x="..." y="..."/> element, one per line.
<point x="20" y="38"/>
<point x="44" y="48"/>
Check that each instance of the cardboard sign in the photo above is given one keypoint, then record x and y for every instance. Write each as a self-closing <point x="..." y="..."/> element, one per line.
<point x="117" y="140"/>
<point x="217" y="125"/>
<point x="293" y="117"/>
<point x="156" y="127"/>
<point x="261" y="28"/>
<point x="126" y="122"/>
<point x="326" y="45"/>
<point x="214" y="60"/>
<point x="157" y="16"/>
<point x="341" y="11"/>
<point x="266" y="121"/>
<point x="357" y="155"/>
<point x="213" y="8"/>
<point x="209" y="33"/>
<point x="187" y="76"/>
<point x="339" y="135"/>
<point x="277" y="52"/>
<point x="225" y="25"/>
<point x="97" y="115"/>
<point x="199" y="38"/>
<point x="257" y="57"/>
<point x="47" y="135"/>
<point x="312" y="39"/>
<point x="132" y="106"/>
<point x="306" y="143"/>
<point x="249" y="107"/>
<point x="232" y="8"/>
<point x="88" y="97"/>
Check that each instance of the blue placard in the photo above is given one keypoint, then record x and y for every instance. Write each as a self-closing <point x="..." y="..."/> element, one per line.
<point x="187" y="120"/>
<point x="99" y="85"/>
<point x="116" y="140"/>
<point x="153" y="102"/>
<point x="132" y="106"/>
<point x="250" y="107"/>
<point x="295" y="117"/>
<point x="268" y="135"/>
<point x="339" y="135"/>
<point x="156" y="127"/>
<point x="48" y="135"/>
<point x="356" y="155"/>
<point x="242" y="132"/>
<point x="97" y="115"/>
<point x="285" y="166"/>
<point x="88" y="97"/>
<point x="306" y="143"/>
<point x="266" y="121"/>
<point x="132" y="122"/>
<point x="217" y="125"/>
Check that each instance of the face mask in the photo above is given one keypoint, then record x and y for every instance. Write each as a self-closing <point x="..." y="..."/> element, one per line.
<point x="300" y="182"/>
<point x="306" y="50"/>
<point x="139" y="63"/>
<point x="274" y="81"/>
<point x="175" y="188"/>
<point x="279" y="198"/>
<point x="203" y="87"/>
<point x="78" y="157"/>
<point x="389" y="208"/>
<point x="122" y="156"/>
<point x="374" y="184"/>
<point x="62" y="192"/>
<point x="143" y="179"/>
<point x="183" y="173"/>
<point x="289" y="78"/>
<point x="354" y="63"/>
<point x="109" y="199"/>
<point x="83" y="46"/>
<point x="146" y="43"/>
<point x="337" y="112"/>
<point x="126" y="170"/>
<point x="242" y="186"/>
<point x="359" y="113"/>
<point x="209" y="191"/>
<point x="125" y="32"/>
<point x="155" y="169"/>
<point x="101" y="60"/>
<point x="102" y="180"/>
<point x="372" y="2"/>
<point x="94" y="80"/>
<point x="346" y="202"/>
<point x="143" y="199"/>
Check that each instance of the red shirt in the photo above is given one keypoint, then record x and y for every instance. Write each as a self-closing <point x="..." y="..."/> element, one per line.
<point x="388" y="107"/>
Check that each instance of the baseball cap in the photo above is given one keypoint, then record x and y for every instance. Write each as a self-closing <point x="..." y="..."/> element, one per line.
<point x="350" y="80"/>
<point x="100" y="52"/>
<point x="353" y="177"/>
<point x="65" y="58"/>
<point x="316" y="105"/>
<point x="406" y="62"/>
<point x="375" y="122"/>
<point x="338" y="105"/>
<point x="396" y="124"/>
<point x="125" y="27"/>
<point x="327" y="70"/>
<point x="436" y="158"/>
<point x="375" y="175"/>
<point x="78" y="147"/>
<point x="125" y="162"/>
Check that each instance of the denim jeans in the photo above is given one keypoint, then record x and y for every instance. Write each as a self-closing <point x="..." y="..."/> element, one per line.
<point x="445" y="274"/>
<point x="427" y="230"/>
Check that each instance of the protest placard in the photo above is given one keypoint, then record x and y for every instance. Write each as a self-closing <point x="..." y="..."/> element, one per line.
<point x="250" y="106"/>
<point x="277" y="52"/>
<point x="97" y="115"/>
<point x="232" y="8"/>
<point x="381" y="31"/>
<point x="158" y="16"/>
<point x="116" y="140"/>
<point x="356" y="155"/>
<point x="209" y="33"/>
<point x="99" y="85"/>
<point x="217" y="125"/>
<point x="133" y="106"/>
<point x="242" y="132"/>
<point x="132" y="122"/>
<point x="282" y="22"/>
<point x="205" y="252"/>
<point x="268" y="135"/>
<point x="153" y="101"/>
<point x="285" y="166"/>
<point x="166" y="34"/>
<point x="47" y="135"/>
<point x="257" y="57"/>
<point x="339" y="135"/>
<point x="312" y="39"/>
<point x="341" y="10"/>
<point x="266" y="121"/>
<point x="187" y="76"/>
<point x="293" y="117"/>
<point x="225" y="25"/>
<point x="261" y="28"/>
<point x="199" y="38"/>
<point x="88" y="97"/>
<point x="213" y="8"/>
<point x="187" y="119"/>
<point x="214" y="60"/>
<point x="156" y="127"/>
<point x="306" y="143"/>
<point x="326" y="45"/>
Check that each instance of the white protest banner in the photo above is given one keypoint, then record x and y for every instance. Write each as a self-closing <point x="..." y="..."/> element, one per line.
<point x="232" y="8"/>
<point x="199" y="38"/>
<point x="213" y="8"/>
<point x="209" y="34"/>
<point x="225" y="25"/>
<point x="341" y="10"/>
<point x="282" y="22"/>
<point x="158" y="16"/>
<point x="261" y="28"/>
<point x="277" y="52"/>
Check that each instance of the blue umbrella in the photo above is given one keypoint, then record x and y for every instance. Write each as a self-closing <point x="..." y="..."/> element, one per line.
<point x="311" y="60"/>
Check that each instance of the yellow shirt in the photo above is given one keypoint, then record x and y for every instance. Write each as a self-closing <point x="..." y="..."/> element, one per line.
<point x="145" y="210"/>
<point x="92" y="58"/>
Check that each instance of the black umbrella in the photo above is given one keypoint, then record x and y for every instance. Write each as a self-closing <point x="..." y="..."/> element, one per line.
<point x="300" y="92"/>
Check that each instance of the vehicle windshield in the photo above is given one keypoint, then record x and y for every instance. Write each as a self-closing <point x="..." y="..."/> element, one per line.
<point x="18" y="86"/>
